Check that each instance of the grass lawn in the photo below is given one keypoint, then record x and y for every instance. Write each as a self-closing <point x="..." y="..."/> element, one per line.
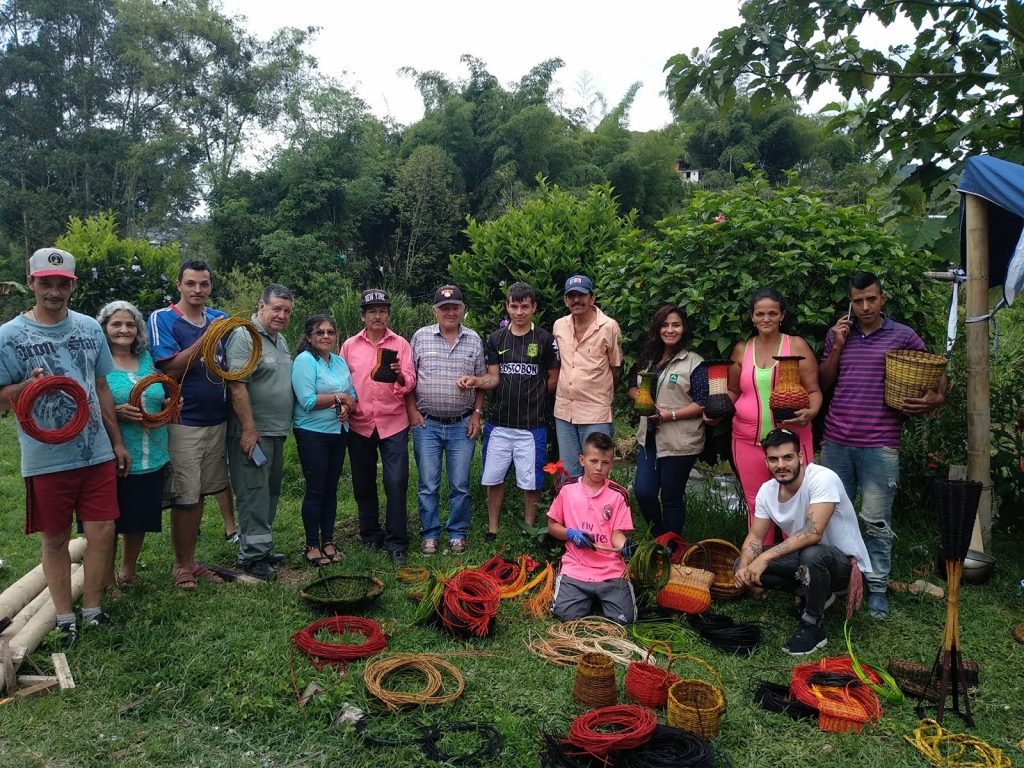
<point x="203" y="678"/>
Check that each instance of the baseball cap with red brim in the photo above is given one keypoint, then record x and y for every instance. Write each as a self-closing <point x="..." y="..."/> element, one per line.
<point x="52" y="262"/>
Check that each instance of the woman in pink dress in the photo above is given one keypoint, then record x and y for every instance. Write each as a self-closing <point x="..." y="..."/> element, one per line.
<point x="751" y="379"/>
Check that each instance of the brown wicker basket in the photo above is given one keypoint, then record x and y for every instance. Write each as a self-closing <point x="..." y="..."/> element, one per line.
<point x="915" y="679"/>
<point x="909" y="372"/>
<point x="594" y="685"/>
<point x="717" y="556"/>
<point x="1018" y="632"/>
<point x="691" y="577"/>
<point x="696" y="705"/>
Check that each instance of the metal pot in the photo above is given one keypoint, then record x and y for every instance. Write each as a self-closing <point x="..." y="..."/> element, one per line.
<point x="978" y="568"/>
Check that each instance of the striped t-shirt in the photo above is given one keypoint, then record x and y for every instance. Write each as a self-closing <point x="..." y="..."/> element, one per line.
<point x="858" y="415"/>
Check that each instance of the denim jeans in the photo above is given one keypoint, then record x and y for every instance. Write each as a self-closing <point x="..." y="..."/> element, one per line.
<point x="815" y="571"/>
<point x="321" y="456"/>
<point x="570" y="442"/>
<point x="394" y="460"/>
<point x="663" y="476"/>
<point x="876" y="471"/>
<point x="430" y="443"/>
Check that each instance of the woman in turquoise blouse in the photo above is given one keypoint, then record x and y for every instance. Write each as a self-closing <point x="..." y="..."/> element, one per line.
<point x="140" y="495"/>
<point x="324" y="398"/>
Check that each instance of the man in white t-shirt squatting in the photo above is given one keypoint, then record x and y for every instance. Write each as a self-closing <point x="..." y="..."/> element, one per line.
<point x="811" y="507"/>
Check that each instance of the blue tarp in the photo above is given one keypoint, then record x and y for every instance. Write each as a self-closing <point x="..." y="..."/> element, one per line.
<point x="1002" y="184"/>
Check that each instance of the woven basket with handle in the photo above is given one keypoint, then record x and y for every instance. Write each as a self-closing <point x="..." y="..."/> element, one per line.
<point x="696" y="705"/>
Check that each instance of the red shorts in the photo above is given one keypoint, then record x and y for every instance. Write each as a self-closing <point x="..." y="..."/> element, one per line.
<point x="52" y="499"/>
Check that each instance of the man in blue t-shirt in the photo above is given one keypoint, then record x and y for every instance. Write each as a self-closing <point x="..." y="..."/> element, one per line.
<point x="79" y="475"/>
<point x="198" y="443"/>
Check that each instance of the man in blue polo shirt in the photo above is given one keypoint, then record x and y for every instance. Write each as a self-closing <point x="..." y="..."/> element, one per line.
<point x="862" y="434"/>
<point x="197" y="444"/>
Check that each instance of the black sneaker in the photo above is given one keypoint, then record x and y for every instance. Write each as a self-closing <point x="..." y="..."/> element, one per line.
<point x="398" y="558"/>
<point x="371" y="546"/>
<point x="68" y="634"/>
<point x="275" y="558"/>
<point x="260" y="569"/>
<point x="99" y="620"/>
<point x="808" y="639"/>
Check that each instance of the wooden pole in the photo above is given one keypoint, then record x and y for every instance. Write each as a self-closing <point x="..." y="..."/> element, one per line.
<point x="30" y="610"/>
<point x="25" y="589"/>
<point x="979" y="417"/>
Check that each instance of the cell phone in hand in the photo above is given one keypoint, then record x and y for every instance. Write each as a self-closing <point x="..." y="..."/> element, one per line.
<point x="259" y="458"/>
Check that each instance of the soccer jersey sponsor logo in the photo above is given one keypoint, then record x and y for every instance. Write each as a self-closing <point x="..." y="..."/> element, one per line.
<point x="519" y="369"/>
<point x="532" y="349"/>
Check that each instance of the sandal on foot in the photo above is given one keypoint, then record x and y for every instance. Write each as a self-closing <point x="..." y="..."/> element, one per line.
<point x="330" y="552"/>
<point x="201" y="571"/>
<point x="131" y="581"/>
<point x="317" y="560"/>
<point x="184" y="579"/>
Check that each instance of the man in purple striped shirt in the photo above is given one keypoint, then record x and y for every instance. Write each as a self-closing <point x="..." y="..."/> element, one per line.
<point x="863" y="435"/>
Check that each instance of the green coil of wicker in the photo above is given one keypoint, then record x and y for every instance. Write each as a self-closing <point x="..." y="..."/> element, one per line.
<point x="909" y="372"/>
<point x="341" y="591"/>
<point x="717" y="556"/>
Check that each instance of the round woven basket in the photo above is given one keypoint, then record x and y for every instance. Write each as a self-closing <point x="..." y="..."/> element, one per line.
<point x="909" y="372"/>
<point x="594" y="686"/>
<point x="684" y="598"/>
<point x="717" y="556"/>
<point x="1018" y="633"/>
<point x="647" y="683"/>
<point x="696" y="705"/>
<point x="341" y="591"/>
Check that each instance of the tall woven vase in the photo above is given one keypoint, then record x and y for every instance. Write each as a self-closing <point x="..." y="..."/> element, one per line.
<point x="958" y="507"/>
<point x="644" y="403"/>
<point x="789" y="395"/>
<point x="719" y="404"/>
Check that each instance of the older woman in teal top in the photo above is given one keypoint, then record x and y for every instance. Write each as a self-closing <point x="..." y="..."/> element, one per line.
<point x="324" y="398"/>
<point x="140" y="494"/>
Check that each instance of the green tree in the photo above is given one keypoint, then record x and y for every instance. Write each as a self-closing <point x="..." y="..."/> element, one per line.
<point x="953" y="91"/>
<point x="712" y="256"/>
<point x="543" y="242"/>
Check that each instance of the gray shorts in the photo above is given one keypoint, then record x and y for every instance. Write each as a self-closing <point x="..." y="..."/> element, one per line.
<point x="574" y="599"/>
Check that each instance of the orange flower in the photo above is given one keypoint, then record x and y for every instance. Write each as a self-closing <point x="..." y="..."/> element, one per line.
<point x="554" y="467"/>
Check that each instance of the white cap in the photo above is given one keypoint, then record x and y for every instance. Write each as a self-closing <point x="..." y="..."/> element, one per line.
<point x="52" y="262"/>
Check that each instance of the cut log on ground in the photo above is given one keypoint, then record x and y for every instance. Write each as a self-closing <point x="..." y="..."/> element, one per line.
<point x="32" y="609"/>
<point x="25" y="589"/>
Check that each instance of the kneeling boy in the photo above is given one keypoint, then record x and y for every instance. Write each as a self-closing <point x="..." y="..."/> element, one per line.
<point x="591" y="514"/>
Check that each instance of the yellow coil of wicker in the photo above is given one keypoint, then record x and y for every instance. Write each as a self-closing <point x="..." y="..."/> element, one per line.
<point x="696" y="705"/>
<point x="909" y="372"/>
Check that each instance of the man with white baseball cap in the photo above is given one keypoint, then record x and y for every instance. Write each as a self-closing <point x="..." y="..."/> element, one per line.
<point x="78" y="475"/>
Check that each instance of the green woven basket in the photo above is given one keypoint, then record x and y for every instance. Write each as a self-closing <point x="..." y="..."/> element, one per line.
<point x="341" y="591"/>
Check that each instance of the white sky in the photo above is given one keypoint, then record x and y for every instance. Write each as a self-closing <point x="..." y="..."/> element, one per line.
<point x="365" y="43"/>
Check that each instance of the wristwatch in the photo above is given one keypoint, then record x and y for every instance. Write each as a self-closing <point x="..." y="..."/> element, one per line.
<point x="477" y="410"/>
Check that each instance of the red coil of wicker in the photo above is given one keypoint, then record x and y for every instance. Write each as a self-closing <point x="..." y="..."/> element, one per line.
<point x="839" y="709"/>
<point x="611" y="729"/>
<point x="717" y="556"/>
<point x="647" y="683"/>
<point x="684" y="598"/>
<point x="470" y="603"/>
<point x="594" y="685"/>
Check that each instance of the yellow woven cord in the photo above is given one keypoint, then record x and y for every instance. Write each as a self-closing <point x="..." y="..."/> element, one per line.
<point x="218" y="331"/>
<point x="945" y="749"/>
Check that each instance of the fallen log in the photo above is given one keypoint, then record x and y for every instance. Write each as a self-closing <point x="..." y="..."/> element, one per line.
<point x="30" y="610"/>
<point x="28" y="587"/>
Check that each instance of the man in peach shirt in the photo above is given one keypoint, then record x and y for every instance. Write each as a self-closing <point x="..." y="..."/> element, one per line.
<point x="382" y="371"/>
<point x="589" y="346"/>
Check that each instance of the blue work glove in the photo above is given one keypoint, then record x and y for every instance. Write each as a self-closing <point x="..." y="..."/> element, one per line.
<point x="628" y="549"/>
<point x="579" y="538"/>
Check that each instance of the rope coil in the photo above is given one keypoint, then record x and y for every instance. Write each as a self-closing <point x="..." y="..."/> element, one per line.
<point x="620" y="727"/>
<point x="218" y="331"/>
<point x="340" y="654"/>
<point x="171" y="410"/>
<point x="51" y="385"/>
<point x="429" y="667"/>
<point x="470" y="603"/>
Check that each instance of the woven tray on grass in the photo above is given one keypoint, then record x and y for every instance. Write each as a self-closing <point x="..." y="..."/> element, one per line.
<point x="915" y="679"/>
<point x="341" y="591"/>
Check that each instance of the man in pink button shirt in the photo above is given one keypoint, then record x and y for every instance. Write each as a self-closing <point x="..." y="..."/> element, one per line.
<point x="382" y="371"/>
<point x="589" y="347"/>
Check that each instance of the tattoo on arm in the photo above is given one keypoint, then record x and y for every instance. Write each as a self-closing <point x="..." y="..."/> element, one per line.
<point x="754" y="549"/>
<point x="810" y="529"/>
<point x="486" y="381"/>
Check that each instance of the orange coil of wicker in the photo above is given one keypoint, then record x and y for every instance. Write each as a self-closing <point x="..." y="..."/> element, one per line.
<point x="647" y="683"/>
<point x="841" y="710"/>
<point x="696" y="705"/>
<point x="171" y="411"/>
<point x="594" y="686"/>
<point x="684" y="598"/>
<point x="909" y="372"/>
<point x="717" y="556"/>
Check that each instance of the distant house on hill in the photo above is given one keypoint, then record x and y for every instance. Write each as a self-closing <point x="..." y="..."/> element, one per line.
<point x="689" y="175"/>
